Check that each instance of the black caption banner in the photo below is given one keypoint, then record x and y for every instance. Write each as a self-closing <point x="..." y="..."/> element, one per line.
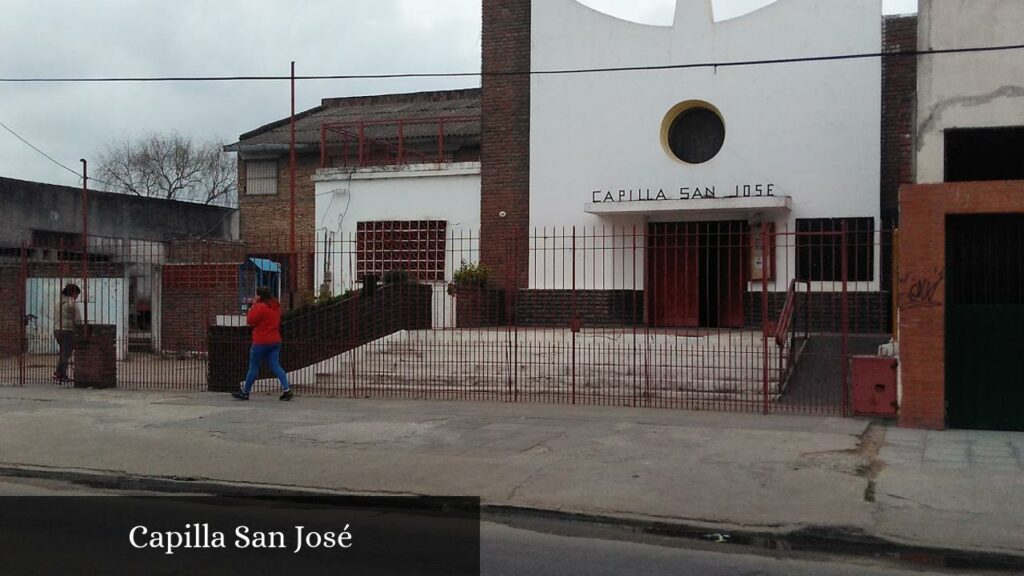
<point x="251" y="536"/>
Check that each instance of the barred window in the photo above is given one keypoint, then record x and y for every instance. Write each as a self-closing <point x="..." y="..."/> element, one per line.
<point x="415" y="246"/>
<point x="819" y="247"/>
<point x="261" y="177"/>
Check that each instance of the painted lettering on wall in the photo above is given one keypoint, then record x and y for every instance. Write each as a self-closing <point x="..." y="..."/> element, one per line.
<point x="921" y="292"/>
<point x="683" y="193"/>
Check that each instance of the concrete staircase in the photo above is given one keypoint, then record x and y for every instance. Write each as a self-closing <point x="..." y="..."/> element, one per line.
<point x="727" y="365"/>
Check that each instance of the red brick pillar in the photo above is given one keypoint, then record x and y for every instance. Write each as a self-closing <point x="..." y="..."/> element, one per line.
<point x="96" y="356"/>
<point x="505" y="147"/>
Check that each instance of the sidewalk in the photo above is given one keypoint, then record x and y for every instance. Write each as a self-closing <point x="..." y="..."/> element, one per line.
<point x="959" y="490"/>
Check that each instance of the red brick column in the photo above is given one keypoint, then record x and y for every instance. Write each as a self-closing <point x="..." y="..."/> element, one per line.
<point x="922" y="261"/>
<point x="505" y="147"/>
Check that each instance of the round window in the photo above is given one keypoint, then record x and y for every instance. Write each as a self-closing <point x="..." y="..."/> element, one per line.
<point x="696" y="133"/>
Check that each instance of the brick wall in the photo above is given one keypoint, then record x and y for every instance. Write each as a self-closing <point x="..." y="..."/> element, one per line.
<point x="265" y="221"/>
<point x="594" y="308"/>
<point x="899" y="88"/>
<point x="193" y="295"/>
<point x="266" y="218"/>
<point x="922" y="257"/>
<point x="505" y="153"/>
<point x="899" y="103"/>
<point x="12" y="309"/>
<point x="374" y="99"/>
<point x="199" y="283"/>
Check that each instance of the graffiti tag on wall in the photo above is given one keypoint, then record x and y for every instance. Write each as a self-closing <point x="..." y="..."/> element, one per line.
<point x="921" y="292"/>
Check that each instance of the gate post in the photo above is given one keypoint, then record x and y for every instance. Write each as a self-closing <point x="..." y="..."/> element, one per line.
<point x="23" y="320"/>
<point x="764" y="323"/>
<point x="575" y="320"/>
<point x="845" y="312"/>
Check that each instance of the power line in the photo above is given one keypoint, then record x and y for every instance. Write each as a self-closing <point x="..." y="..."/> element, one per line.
<point x="48" y="157"/>
<point x="51" y="159"/>
<point x="722" y="64"/>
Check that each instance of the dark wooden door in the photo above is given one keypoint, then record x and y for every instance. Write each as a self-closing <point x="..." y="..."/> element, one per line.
<point x="673" y="274"/>
<point x="985" y="322"/>
<point x="734" y="258"/>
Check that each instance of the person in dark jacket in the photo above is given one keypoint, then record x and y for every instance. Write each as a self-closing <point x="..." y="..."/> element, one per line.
<point x="265" y="319"/>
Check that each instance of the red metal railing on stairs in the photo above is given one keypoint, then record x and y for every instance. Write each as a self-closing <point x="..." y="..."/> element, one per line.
<point x="786" y="333"/>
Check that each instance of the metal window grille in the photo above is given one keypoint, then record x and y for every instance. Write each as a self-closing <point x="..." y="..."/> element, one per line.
<point x="261" y="177"/>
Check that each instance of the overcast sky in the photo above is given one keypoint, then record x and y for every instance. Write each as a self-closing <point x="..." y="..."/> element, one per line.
<point x="62" y="38"/>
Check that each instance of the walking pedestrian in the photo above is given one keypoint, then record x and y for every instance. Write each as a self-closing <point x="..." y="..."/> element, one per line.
<point x="65" y="320"/>
<point x="265" y="319"/>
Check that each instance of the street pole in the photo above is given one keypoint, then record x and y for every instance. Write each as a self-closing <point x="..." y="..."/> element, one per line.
<point x="291" y="189"/>
<point x="85" y="244"/>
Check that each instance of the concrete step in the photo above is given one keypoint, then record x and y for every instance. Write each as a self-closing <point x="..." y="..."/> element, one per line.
<point x="433" y="385"/>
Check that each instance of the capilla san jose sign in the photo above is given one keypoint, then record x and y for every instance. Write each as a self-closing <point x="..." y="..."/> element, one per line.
<point x="683" y="193"/>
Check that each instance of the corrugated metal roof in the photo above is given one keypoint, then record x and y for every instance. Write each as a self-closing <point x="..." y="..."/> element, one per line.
<point x="389" y="108"/>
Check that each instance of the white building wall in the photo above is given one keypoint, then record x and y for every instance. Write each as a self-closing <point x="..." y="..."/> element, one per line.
<point x="811" y="130"/>
<point x="976" y="90"/>
<point x="449" y="192"/>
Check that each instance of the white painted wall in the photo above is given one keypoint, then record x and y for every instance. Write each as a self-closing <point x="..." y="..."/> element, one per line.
<point x="449" y="192"/>
<point x="107" y="300"/>
<point x="979" y="90"/>
<point x="811" y="129"/>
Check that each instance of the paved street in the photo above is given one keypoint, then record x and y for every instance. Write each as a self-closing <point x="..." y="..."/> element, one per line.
<point x="507" y="550"/>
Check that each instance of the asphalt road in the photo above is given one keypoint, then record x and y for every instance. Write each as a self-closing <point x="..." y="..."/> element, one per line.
<point x="509" y="551"/>
<point x="528" y="549"/>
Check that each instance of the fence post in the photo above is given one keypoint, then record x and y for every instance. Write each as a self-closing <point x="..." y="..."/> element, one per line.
<point x="807" y="314"/>
<point x="574" y="323"/>
<point x="85" y="246"/>
<point x="845" y="312"/>
<point x="23" y="320"/>
<point x="636" y="367"/>
<point x="764" y="324"/>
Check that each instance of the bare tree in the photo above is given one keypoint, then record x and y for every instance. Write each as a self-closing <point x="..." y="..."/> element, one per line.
<point x="171" y="167"/>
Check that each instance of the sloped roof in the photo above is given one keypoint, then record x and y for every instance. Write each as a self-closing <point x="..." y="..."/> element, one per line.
<point x="387" y="107"/>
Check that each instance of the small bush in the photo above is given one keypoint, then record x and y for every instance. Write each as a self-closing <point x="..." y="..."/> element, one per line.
<point x="319" y="304"/>
<point x="471" y="274"/>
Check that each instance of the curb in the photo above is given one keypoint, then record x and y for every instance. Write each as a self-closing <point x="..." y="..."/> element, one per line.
<point x="835" y="540"/>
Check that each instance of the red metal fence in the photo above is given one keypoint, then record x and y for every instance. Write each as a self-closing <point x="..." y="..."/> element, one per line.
<point x="393" y="142"/>
<point x="706" y="316"/>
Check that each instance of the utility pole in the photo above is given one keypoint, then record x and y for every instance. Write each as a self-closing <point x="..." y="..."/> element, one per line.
<point x="85" y="243"/>
<point x="291" y="189"/>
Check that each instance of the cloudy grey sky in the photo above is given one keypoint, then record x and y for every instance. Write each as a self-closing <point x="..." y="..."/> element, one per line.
<point x="62" y="38"/>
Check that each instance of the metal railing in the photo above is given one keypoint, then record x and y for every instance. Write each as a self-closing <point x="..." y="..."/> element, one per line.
<point x="666" y="316"/>
<point x="388" y="142"/>
<point x="786" y="332"/>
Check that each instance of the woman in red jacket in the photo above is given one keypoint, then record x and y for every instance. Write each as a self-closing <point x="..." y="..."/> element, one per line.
<point x="265" y="319"/>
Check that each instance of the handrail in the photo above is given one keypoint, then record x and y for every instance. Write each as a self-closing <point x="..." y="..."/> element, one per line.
<point x="402" y="154"/>
<point x="356" y="131"/>
<point x="782" y="328"/>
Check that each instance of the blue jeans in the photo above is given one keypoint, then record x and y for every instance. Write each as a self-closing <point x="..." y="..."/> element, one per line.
<point x="272" y="354"/>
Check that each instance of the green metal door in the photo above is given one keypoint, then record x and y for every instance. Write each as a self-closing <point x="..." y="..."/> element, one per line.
<point x="985" y="322"/>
